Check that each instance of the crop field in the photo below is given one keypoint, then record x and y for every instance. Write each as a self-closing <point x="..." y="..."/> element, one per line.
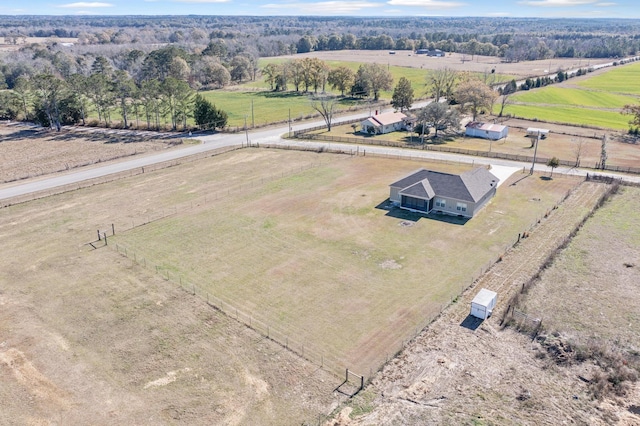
<point x="570" y="115"/>
<point x="312" y="253"/>
<point x="553" y="95"/>
<point x="623" y="79"/>
<point x="591" y="100"/>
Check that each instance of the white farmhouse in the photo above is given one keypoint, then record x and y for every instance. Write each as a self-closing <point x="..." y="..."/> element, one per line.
<point x="384" y="123"/>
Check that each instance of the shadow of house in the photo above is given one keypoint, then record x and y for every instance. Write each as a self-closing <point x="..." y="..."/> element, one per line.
<point x="414" y="216"/>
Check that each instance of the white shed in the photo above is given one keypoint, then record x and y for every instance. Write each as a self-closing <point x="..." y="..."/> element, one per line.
<point x="490" y="131"/>
<point x="482" y="305"/>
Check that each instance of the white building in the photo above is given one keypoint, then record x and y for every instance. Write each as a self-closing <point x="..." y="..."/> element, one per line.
<point x="384" y="123"/>
<point x="486" y="130"/>
<point x="482" y="305"/>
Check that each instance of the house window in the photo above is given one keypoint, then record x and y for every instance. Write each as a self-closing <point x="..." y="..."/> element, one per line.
<point x="461" y="207"/>
<point x="440" y="202"/>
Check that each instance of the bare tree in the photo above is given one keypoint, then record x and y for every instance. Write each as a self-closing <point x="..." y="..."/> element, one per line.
<point x="325" y="105"/>
<point x="578" y="148"/>
<point x="441" y="82"/>
<point x="508" y="90"/>
<point x="603" y="152"/>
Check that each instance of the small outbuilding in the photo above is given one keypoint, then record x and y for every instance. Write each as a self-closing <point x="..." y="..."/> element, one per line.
<point x="482" y="305"/>
<point x="533" y="131"/>
<point x="490" y="131"/>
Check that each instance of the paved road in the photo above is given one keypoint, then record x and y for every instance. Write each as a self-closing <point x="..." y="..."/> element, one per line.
<point x="270" y="136"/>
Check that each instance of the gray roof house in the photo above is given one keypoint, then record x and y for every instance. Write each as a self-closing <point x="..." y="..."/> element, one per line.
<point x="427" y="191"/>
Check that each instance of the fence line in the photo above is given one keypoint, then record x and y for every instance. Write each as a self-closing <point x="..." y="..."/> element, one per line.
<point x="143" y="219"/>
<point x="324" y="359"/>
<point x="304" y="134"/>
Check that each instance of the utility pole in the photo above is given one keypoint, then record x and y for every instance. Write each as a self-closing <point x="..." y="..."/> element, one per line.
<point x="289" y="122"/>
<point x="253" y="123"/>
<point x="246" y="131"/>
<point x="535" y="152"/>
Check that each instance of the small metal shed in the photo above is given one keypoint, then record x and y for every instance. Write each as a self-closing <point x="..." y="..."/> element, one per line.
<point x="482" y="305"/>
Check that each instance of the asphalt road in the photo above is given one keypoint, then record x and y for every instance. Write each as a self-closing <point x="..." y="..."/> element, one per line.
<point x="263" y="136"/>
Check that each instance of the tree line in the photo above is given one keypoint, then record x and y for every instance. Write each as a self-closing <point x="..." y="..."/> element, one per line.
<point x="159" y="98"/>
<point x="513" y="39"/>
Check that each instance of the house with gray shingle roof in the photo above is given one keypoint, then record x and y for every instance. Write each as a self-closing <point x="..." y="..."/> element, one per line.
<point x="428" y="191"/>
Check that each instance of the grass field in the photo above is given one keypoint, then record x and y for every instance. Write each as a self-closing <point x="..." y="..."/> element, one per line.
<point x="310" y="253"/>
<point x="553" y="95"/>
<point x="594" y="100"/>
<point x="88" y="337"/>
<point x="271" y="107"/>
<point x="263" y="107"/>
<point x="622" y="79"/>
<point x="570" y="115"/>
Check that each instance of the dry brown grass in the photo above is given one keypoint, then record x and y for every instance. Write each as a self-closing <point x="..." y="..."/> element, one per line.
<point x="30" y="151"/>
<point x="87" y="337"/>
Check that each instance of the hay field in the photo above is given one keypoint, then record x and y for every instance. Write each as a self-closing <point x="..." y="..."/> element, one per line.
<point x="312" y="254"/>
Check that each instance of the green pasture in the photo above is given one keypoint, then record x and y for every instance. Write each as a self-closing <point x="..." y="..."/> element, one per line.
<point x="312" y="254"/>
<point x="266" y="107"/>
<point x="622" y="79"/>
<point x="552" y="95"/>
<point x="416" y="76"/>
<point x="597" y="100"/>
<point x="569" y="115"/>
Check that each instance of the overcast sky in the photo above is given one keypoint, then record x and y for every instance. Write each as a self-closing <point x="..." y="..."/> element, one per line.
<point x="513" y="8"/>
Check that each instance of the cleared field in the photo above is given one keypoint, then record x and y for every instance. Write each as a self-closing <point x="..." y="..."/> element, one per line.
<point x="457" y="61"/>
<point x="623" y="79"/>
<point x="88" y="337"/>
<point x="600" y="270"/>
<point x="28" y="152"/>
<point x="312" y="254"/>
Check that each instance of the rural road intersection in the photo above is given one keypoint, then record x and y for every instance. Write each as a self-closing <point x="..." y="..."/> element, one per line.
<point x="271" y="137"/>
